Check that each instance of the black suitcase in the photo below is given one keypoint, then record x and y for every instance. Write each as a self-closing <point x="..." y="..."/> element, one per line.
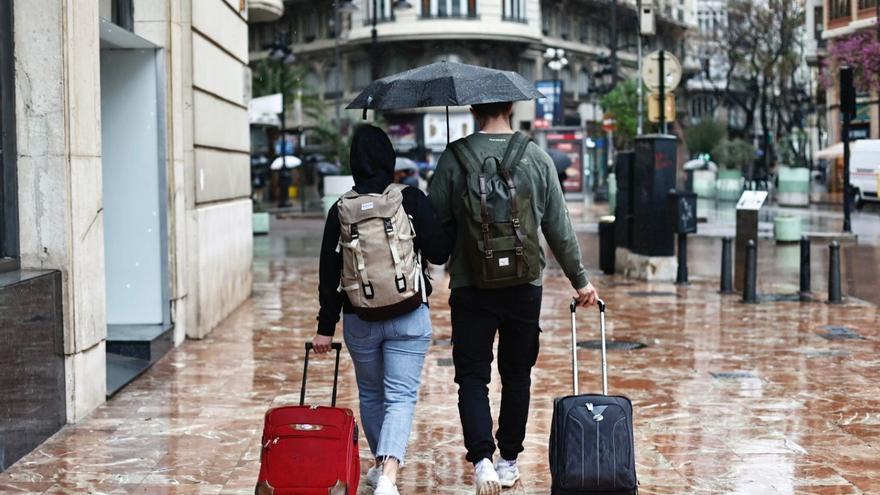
<point x="591" y="438"/>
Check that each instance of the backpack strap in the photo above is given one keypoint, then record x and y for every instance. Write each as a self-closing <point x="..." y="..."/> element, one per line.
<point x="466" y="156"/>
<point x="516" y="148"/>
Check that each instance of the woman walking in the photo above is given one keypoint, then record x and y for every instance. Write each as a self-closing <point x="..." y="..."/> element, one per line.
<point x="371" y="269"/>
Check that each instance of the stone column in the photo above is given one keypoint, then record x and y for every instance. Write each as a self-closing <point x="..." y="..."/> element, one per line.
<point x="58" y="120"/>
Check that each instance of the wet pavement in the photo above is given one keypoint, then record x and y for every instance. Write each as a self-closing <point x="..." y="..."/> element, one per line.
<point x="729" y="398"/>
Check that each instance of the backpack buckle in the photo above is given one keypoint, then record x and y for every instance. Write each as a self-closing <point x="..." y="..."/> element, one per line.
<point x="389" y="227"/>
<point x="368" y="290"/>
<point x="401" y="283"/>
<point x="485" y="228"/>
<point x="515" y="222"/>
<point x="353" y="229"/>
<point x="489" y="254"/>
<point x="519" y="251"/>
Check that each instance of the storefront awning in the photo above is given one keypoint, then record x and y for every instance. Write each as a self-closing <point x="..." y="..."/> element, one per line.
<point x="831" y="152"/>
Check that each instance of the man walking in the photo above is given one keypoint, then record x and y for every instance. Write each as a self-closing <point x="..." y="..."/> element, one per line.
<point x="498" y="189"/>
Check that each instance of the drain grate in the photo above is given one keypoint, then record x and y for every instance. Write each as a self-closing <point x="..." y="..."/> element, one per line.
<point x="442" y="342"/>
<point x="732" y="375"/>
<point x="612" y="345"/>
<point x="840" y="333"/>
<point x="651" y="293"/>
<point x="444" y="362"/>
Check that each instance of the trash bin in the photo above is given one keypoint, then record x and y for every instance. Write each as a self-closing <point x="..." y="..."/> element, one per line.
<point x="606" y="244"/>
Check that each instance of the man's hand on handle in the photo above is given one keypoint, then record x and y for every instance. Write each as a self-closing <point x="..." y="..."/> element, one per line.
<point x="587" y="296"/>
<point x="321" y="344"/>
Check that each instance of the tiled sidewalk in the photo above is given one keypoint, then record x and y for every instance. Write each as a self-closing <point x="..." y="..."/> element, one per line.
<point x="789" y="411"/>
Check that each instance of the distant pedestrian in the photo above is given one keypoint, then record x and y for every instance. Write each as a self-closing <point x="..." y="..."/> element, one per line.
<point x="371" y="269"/>
<point x="498" y="189"/>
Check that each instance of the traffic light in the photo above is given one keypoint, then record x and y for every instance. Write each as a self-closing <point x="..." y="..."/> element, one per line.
<point x="605" y="67"/>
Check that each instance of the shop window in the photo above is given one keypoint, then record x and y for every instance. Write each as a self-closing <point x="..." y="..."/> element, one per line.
<point x="8" y="188"/>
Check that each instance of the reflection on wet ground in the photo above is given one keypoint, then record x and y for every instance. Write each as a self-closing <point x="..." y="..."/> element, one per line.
<point x="729" y="398"/>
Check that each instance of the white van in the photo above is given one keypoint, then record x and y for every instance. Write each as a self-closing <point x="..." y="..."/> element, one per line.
<point x="864" y="163"/>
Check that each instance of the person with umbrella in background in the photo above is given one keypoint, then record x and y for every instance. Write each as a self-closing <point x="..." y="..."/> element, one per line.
<point x="513" y="187"/>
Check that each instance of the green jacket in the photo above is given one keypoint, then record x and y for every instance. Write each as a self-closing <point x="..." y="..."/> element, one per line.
<point x="548" y="203"/>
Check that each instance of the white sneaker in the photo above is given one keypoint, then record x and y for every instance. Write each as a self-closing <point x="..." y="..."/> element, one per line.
<point x="508" y="473"/>
<point x="373" y="475"/>
<point x="486" y="479"/>
<point x="385" y="487"/>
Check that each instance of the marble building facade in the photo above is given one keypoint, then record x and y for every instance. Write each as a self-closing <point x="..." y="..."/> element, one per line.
<point x="126" y="217"/>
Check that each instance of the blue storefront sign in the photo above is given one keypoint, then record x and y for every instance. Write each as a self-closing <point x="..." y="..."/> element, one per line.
<point x="548" y="110"/>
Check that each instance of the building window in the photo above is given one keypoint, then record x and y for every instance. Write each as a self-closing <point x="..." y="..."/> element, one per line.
<point x="360" y="75"/>
<point x="583" y="86"/>
<point x="449" y="8"/>
<point x="527" y="68"/>
<point x="513" y="10"/>
<point x="867" y="4"/>
<point x="566" y="80"/>
<point x="333" y="86"/>
<point x="8" y="180"/>
<point x="546" y="19"/>
<point x="383" y="9"/>
<point x="311" y="84"/>
<point x="839" y="9"/>
<point x="310" y="28"/>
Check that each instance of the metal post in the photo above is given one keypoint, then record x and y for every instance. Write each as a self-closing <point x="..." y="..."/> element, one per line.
<point x="805" y="268"/>
<point x="750" y="289"/>
<point x="374" y="44"/>
<point x="613" y="27"/>
<point x="640" y="85"/>
<point x="662" y="93"/>
<point x="847" y="193"/>
<point x="834" y="293"/>
<point x="681" y="277"/>
<point x="284" y="174"/>
<point x="726" y="266"/>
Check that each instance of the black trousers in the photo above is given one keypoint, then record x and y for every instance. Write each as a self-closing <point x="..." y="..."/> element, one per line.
<point x="476" y="316"/>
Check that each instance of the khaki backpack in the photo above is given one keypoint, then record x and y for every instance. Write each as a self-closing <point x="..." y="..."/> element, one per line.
<point x="381" y="271"/>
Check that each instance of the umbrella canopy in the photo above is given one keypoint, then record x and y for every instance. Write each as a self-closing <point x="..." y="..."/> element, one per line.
<point x="560" y="160"/>
<point x="445" y="84"/>
<point x="289" y="161"/>
<point x="401" y="164"/>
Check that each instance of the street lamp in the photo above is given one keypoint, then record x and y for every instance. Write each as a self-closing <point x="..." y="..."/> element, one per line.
<point x="280" y="51"/>
<point x="556" y="61"/>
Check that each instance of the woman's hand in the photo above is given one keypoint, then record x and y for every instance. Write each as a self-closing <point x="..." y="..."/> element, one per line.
<point x="321" y="344"/>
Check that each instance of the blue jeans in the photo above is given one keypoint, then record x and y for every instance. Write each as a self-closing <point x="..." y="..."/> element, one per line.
<point x="388" y="357"/>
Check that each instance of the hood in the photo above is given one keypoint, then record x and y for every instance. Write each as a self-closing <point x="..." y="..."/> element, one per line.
<point x="372" y="160"/>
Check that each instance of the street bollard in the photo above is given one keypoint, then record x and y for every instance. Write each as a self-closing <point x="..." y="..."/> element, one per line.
<point x="681" y="277"/>
<point x="726" y="266"/>
<point x="805" y="269"/>
<point x="834" y="295"/>
<point x="750" y="288"/>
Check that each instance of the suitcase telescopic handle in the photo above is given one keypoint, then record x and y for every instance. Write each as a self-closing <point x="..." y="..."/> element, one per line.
<point x="574" y="360"/>
<point x="336" y="346"/>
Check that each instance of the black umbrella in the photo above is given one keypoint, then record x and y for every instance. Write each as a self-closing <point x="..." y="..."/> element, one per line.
<point x="444" y="84"/>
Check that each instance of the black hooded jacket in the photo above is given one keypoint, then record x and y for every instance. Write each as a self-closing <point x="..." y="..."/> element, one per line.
<point x="372" y="165"/>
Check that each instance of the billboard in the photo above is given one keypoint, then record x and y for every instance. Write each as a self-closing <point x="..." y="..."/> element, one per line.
<point x="569" y="143"/>
<point x="548" y="110"/>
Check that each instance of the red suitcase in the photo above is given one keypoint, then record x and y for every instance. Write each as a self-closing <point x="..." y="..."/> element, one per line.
<point x="310" y="450"/>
